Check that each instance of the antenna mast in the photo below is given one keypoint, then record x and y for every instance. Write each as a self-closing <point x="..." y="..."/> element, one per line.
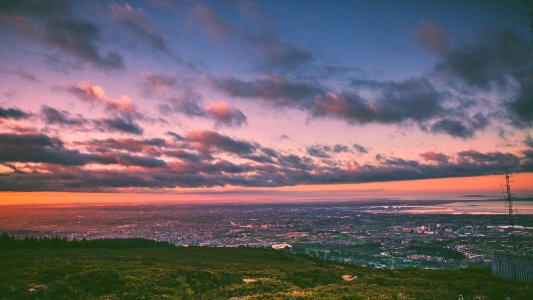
<point x="511" y="208"/>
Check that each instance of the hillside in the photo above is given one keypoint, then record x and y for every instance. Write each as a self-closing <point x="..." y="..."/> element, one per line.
<point x="140" y="270"/>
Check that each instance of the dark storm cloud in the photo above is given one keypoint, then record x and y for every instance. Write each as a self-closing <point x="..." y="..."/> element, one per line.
<point x="13" y="113"/>
<point x="52" y="24"/>
<point x="118" y="125"/>
<point x="60" y="117"/>
<point x="138" y="22"/>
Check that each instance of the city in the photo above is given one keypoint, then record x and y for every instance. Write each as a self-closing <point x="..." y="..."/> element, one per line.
<point x="364" y="234"/>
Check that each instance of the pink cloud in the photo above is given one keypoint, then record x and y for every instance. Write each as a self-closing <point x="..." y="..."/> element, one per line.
<point x="225" y="114"/>
<point x="89" y="92"/>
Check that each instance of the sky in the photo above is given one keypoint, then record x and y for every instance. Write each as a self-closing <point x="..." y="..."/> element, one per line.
<point x="182" y="99"/>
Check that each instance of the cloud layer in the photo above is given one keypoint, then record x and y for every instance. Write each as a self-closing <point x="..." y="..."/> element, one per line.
<point x="203" y="158"/>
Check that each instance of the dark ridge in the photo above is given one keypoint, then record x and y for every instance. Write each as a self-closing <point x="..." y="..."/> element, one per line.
<point x="10" y="242"/>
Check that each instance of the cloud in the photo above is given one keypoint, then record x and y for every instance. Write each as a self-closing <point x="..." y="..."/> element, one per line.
<point x="360" y="148"/>
<point x="136" y="20"/>
<point x="432" y="37"/>
<point x="118" y="125"/>
<point x="435" y="156"/>
<point x="91" y="93"/>
<point x="188" y="104"/>
<point x="13" y="113"/>
<point x="271" y="51"/>
<point x="318" y="151"/>
<point x="40" y="148"/>
<point x="462" y="129"/>
<point x="491" y="58"/>
<point x="26" y="75"/>
<point x="496" y="159"/>
<point x="59" y="168"/>
<point x="191" y="105"/>
<point x="129" y="160"/>
<point x="494" y="61"/>
<point x="325" y="151"/>
<point x="53" y="25"/>
<point x="439" y="102"/>
<point x="157" y="84"/>
<point x="225" y="115"/>
<point x="60" y="117"/>
<point x="206" y="141"/>
<point x="528" y="141"/>
<point x="34" y="147"/>
<point x="146" y="146"/>
<point x="175" y="136"/>
<point x="521" y="106"/>
<point x="188" y="156"/>
<point x="414" y="100"/>
<point x="274" y="88"/>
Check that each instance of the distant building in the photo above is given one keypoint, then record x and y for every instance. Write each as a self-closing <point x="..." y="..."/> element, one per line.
<point x="281" y="246"/>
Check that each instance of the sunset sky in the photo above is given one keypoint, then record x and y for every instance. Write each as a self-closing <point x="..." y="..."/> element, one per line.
<point x="166" y="99"/>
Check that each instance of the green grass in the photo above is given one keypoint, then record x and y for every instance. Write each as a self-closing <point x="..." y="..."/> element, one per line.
<point x="219" y="273"/>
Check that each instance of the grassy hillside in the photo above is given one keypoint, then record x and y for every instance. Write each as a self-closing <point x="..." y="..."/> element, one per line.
<point x="105" y="272"/>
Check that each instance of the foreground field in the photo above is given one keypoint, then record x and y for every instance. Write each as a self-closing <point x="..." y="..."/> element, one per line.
<point x="222" y="273"/>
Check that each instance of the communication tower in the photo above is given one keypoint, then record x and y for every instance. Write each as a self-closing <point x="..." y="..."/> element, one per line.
<point x="509" y="205"/>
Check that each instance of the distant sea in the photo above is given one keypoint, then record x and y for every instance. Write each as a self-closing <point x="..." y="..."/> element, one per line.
<point x="478" y="207"/>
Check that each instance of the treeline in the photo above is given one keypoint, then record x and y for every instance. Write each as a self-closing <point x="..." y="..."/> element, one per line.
<point x="10" y="242"/>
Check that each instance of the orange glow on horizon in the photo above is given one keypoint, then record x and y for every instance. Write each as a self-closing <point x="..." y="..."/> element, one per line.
<point x="481" y="184"/>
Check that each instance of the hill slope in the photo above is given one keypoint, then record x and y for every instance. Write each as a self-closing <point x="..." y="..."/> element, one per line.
<point x="220" y="273"/>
